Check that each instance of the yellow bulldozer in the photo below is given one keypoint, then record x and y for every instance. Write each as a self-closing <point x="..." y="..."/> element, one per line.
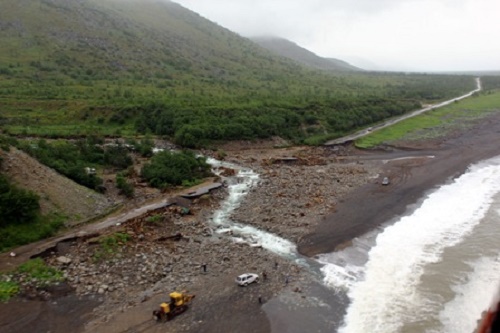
<point x="177" y="305"/>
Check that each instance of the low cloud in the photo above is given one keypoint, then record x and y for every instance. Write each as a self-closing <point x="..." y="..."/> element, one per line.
<point x="417" y="35"/>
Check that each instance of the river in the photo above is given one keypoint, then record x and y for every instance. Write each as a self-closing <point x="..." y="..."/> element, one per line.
<point x="238" y="186"/>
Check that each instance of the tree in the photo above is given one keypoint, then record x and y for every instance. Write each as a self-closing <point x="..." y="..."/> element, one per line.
<point x="16" y="205"/>
<point x="174" y="169"/>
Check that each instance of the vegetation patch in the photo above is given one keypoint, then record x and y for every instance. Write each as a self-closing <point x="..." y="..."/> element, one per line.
<point x="156" y="219"/>
<point x="110" y="245"/>
<point x="144" y="147"/>
<point x="490" y="83"/>
<point x="39" y="273"/>
<point x="6" y="142"/>
<point x="78" y="160"/>
<point x="15" y="235"/>
<point x="435" y="123"/>
<point x="33" y="273"/>
<point x="17" y="206"/>
<point x="8" y="289"/>
<point x="20" y="219"/>
<point x="168" y="169"/>
<point x="125" y="187"/>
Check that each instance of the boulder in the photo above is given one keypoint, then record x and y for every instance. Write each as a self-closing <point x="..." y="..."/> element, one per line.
<point x="63" y="260"/>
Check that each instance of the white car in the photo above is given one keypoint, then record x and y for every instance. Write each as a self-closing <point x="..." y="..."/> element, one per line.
<point x="385" y="181"/>
<point x="247" y="278"/>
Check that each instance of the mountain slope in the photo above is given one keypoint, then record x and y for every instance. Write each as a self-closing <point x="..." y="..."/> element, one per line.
<point x="151" y="43"/>
<point x="118" y="36"/>
<point x="293" y="51"/>
<point x="130" y="67"/>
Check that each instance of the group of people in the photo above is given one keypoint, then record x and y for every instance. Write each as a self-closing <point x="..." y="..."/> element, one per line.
<point x="264" y="278"/>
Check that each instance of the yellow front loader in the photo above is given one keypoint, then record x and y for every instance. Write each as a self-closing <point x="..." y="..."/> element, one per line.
<point x="177" y="305"/>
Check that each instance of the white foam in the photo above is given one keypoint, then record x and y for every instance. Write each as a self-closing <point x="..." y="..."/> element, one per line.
<point x="342" y="269"/>
<point x="472" y="297"/>
<point x="388" y="297"/>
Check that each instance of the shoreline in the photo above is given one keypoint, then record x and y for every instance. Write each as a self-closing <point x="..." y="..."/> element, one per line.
<point x="371" y="205"/>
<point x="313" y="201"/>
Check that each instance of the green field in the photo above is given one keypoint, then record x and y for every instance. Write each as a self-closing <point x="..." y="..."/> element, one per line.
<point x="437" y="122"/>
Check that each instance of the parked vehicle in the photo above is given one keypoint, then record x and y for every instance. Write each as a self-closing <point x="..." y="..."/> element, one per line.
<point x="385" y="181"/>
<point x="246" y="279"/>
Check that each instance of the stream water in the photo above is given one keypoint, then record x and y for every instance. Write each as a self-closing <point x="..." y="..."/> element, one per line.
<point x="238" y="187"/>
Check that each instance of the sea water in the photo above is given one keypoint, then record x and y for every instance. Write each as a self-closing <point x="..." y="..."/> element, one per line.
<point x="434" y="270"/>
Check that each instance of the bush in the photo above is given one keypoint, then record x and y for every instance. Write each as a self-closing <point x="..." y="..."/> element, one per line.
<point x="17" y="206"/>
<point x="173" y="169"/>
<point x="145" y="147"/>
<point x="118" y="157"/>
<point x="20" y="219"/>
<point x="125" y="188"/>
<point x="70" y="159"/>
<point x="6" y="142"/>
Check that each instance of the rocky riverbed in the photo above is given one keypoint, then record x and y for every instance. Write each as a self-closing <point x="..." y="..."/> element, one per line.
<point x="298" y="187"/>
<point x="130" y="268"/>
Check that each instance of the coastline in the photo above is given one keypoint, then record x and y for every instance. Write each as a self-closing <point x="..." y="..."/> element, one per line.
<point x="321" y="200"/>
<point x="434" y="163"/>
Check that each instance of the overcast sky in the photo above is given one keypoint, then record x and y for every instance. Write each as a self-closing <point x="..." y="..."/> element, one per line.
<point x="412" y="35"/>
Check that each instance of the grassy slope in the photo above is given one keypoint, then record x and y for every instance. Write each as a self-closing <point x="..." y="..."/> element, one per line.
<point x="161" y="46"/>
<point x="437" y="122"/>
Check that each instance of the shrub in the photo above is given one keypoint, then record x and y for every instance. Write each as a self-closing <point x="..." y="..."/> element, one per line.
<point x="125" y="187"/>
<point x="71" y="159"/>
<point x="16" y="205"/>
<point x="118" y="157"/>
<point x="173" y="169"/>
<point x="6" y="142"/>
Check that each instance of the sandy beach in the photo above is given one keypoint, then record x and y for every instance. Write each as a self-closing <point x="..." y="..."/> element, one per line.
<point x="320" y="200"/>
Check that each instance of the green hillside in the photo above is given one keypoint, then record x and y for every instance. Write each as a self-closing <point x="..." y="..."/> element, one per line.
<point x="119" y="67"/>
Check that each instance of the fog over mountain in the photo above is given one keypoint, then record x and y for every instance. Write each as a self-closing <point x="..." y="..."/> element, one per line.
<point x="293" y="51"/>
<point x="410" y="35"/>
